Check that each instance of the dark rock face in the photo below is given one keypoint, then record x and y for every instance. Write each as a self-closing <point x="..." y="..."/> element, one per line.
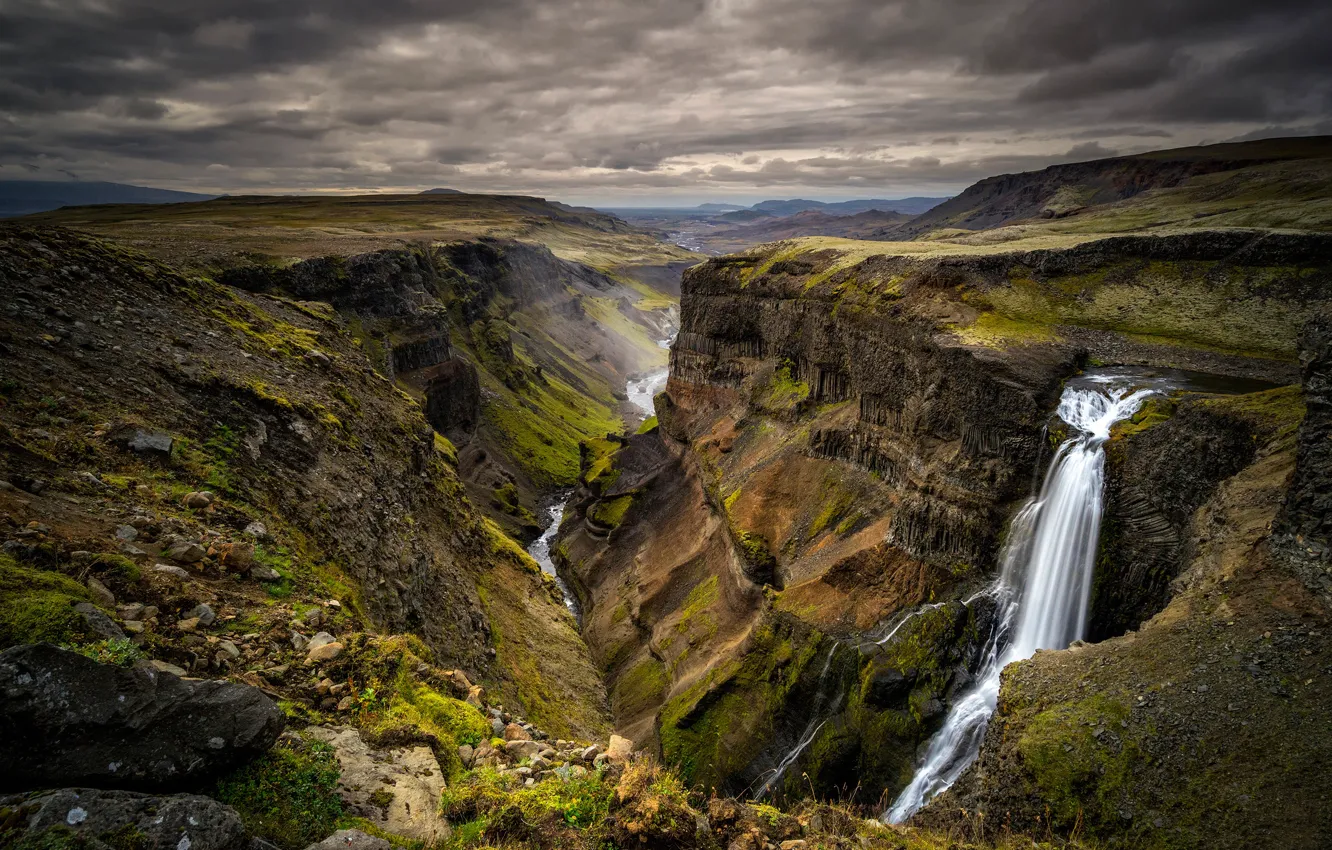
<point x="68" y="720"/>
<point x="1155" y="482"/>
<point x="453" y="399"/>
<point x="1305" y="526"/>
<point x="108" y="818"/>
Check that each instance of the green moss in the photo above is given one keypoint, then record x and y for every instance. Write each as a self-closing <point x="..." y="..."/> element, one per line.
<point x="641" y="688"/>
<point x="1153" y="412"/>
<point x="610" y="513"/>
<point x="1276" y="414"/>
<point x="716" y="726"/>
<point x="783" y="392"/>
<point x="289" y="796"/>
<point x="598" y="464"/>
<point x="36" y="606"/>
<point x="649" y="425"/>
<point x="1081" y="760"/>
<point x="834" y="506"/>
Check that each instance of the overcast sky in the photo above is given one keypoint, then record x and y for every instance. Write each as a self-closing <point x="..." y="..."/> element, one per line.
<point x="639" y="101"/>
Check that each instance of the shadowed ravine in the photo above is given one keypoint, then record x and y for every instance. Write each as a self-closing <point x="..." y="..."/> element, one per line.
<point x="1045" y="583"/>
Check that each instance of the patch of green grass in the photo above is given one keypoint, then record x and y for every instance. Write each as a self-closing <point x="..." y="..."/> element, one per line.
<point x="289" y="796"/>
<point x="649" y="425"/>
<point x="784" y="392"/>
<point x="610" y="513"/>
<point x="36" y="606"/>
<point x="121" y="652"/>
<point x="640" y="688"/>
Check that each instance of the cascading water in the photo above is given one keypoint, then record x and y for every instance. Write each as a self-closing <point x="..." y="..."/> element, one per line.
<point x="540" y="551"/>
<point x="1044" y="584"/>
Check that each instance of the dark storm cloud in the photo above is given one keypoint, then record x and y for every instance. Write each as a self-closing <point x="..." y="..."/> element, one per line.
<point x="609" y="97"/>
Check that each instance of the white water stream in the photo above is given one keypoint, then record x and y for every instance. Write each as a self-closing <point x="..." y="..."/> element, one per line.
<point x="1045" y="582"/>
<point x="642" y="389"/>
<point x="540" y="550"/>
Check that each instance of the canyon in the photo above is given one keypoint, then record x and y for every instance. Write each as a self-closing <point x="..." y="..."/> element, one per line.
<point x="538" y="531"/>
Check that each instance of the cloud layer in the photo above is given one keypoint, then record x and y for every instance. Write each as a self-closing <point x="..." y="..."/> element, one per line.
<point x="610" y="100"/>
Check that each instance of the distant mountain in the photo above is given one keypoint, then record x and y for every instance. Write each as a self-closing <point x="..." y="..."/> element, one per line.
<point x="1072" y="189"/>
<point x="719" y="207"/>
<point x="863" y="225"/>
<point x="910" y="206"/>
<point x="443" y="191"/>
<point x="743" y="216"/>
<point x="21" y="197"/>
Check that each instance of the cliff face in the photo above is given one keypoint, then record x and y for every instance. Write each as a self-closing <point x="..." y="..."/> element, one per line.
<point x="1207" y="725"/>
<point x="128" y="386"/>
<point x="843" y="438"/>
<point x="515" y="354"/>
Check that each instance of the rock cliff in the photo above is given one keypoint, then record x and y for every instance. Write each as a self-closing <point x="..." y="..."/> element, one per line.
<point x="773" y="581"/>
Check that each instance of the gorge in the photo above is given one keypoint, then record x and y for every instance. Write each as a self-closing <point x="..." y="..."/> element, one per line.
<point x="494" y="538"/>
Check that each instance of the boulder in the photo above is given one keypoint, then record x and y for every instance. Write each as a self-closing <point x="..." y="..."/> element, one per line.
<point x="323" y="652"/>
<point x="155" y="444"/>
<point x="97" y="621"/>
<point x="352" y="839"/>
<point x="186" y="552"/>
<point x="396" y="789"/>
<point x="169" y="570"/>
<point x="156" y="823"/>
<point x="519" y="750"/>
<point x="620" y="749"/>
<point x="514" y="732"/>
<point x="68" y="720"/>
<point x="101" y="593"/>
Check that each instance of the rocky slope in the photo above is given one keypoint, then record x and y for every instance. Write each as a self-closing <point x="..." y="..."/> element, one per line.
<point x="774" y="580"/>
<point x="1067" y="190"/>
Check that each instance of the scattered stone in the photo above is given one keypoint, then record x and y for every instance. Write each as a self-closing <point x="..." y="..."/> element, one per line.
<point x="590" y="753"/>
<point x="324" y="686"/>
<point x="299" y="641"/>
<point x="204" y="614"/>
<point x="71" y="720"/>
<point x="793" y="844"/>
<point x="350" y="839"/>
<point x="476" y="696"/>
<point x="321" y="639"/>
<point x="318" y="358"/>
<point x="87" y="478"/>
<point x="465" y="754"/>
<point x="173" y="571"/>
<point x="128" y="533"/>
<point x="189" y="624"/>
<point x="514" y="732"/>
<point x="104" y="818"/>
<point x="347" y="703"/>
<point x="186" y="551"/>
<point x="132" y="611"/>
<point x="101" y="592"/>
<point x="132" y="627"/>
<point x="129" y="550"/>
<point x="229" y="649"/>
<point x="97" y="621"/>
<point x="519" y="750"/>
<point x="199" y="500"/>
<point x="237" y="557"/>
<point x="257" y="530"/>
<point x="324" y="652"/>
<point x="497" y="727"/>
<point x="262" y="573"/>
<point x="150" y="613"/>
<point x="155" y="444"/>
<point x="410" y="774"/>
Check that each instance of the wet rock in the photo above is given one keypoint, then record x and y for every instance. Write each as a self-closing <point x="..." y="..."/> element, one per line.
<point x="103" y="818"/>
<point x="68" y="720"/>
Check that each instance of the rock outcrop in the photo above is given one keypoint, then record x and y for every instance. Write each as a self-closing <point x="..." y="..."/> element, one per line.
<point x="111" y="819"/>
<point x="68" y="720"/>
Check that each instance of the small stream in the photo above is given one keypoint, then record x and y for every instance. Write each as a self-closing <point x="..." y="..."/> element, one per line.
<point x="540" y="550"/>
<point x="642" y="389"/>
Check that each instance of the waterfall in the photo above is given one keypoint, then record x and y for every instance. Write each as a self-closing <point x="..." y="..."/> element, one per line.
<point x="1044" y="583"/>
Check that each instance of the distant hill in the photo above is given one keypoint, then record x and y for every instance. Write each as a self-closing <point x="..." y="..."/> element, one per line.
<point x="1074" y="189"/>
<point x="22" y="197"/>
<point x="719" y="207"/>
<point x="743" y="216"/>
<point x="910" y="206"/>
<point x="443" y="191"/>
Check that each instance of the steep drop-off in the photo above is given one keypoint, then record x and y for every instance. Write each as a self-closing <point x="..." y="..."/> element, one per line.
<point x="244" y="441"/>
<point x="774" y="580"/>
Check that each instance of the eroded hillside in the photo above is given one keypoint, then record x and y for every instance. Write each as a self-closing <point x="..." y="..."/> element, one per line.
<point x="780" y="581"/>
